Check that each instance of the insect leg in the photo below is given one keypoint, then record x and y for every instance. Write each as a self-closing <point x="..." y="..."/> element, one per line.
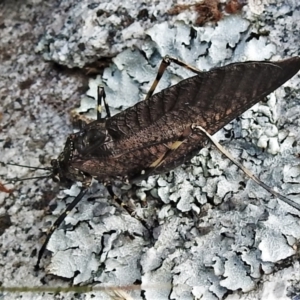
<point x="183" y="64"/>
<point x="57" y="223"/>
<point x="246" y="171"/>
<point x="166" y="61"/>
<point x="124" y="206"/>
<point x="163" y="65"/>
<point x="81" y="121"/>
<point x="101" y="95"/>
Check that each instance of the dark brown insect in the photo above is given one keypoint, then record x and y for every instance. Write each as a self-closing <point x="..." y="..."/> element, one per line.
<point x="156" y="134"/>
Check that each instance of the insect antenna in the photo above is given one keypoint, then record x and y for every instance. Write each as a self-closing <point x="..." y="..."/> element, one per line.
<point x="16" y="179"/>
<point x="29" y="167"/>
<point x="56" y="224"/>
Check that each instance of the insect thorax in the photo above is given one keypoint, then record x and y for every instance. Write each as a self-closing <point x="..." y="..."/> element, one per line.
<point x="91" y="141"/>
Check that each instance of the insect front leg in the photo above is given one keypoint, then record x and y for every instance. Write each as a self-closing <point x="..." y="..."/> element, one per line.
<point x="101" y="95"/>
<point x="57" y="223"/>
<point x="167" y="60"/>
<point x="80" y="121"/>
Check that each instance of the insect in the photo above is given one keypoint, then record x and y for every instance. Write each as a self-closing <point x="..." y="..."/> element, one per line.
<point x="160" y="133"/>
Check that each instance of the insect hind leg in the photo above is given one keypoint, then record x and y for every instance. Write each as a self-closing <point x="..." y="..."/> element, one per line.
<point x="290" y="202"/>
<point x="166" y="61"/>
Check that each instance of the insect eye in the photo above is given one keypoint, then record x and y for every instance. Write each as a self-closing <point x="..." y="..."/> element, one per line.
<point x="94" y="136"/>
<point x="53" y="162"/>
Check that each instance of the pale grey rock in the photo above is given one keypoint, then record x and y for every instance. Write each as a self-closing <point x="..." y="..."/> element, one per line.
<point x="228" y="233"/>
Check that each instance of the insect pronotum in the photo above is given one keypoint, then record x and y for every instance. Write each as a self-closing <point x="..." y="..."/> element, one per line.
<point x="165" y="129"/>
